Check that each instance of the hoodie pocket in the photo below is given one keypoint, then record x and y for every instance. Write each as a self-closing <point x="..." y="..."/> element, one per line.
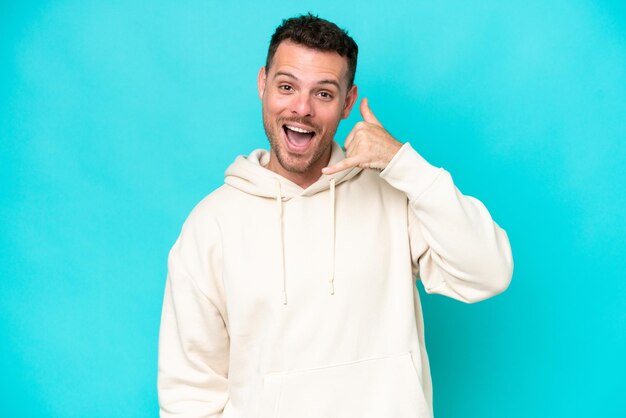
<point x="373" y="388"/>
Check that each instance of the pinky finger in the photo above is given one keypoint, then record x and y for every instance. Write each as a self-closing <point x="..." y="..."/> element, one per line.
<point x="341" y="165"/>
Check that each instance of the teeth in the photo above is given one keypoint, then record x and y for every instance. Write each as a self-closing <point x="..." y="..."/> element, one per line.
<point x="296" y="129"/>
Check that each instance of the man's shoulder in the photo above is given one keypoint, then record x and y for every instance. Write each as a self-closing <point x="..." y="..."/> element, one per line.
<point x="213" y="205"/>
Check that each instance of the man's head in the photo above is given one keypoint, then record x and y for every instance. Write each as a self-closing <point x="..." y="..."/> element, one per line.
<point x="315" y="33"/>
<point x="306" y="88"/>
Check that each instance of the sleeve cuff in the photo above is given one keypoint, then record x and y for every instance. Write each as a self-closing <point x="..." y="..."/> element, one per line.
<point x="410" y="172"/>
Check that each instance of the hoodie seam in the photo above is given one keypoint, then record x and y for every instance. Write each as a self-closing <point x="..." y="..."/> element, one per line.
<point x="427" y="189"/>
<point x="220" y="258"/>
<point x="289" y="373"/>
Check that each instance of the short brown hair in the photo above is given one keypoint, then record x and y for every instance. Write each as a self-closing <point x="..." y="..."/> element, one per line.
<point x="316" y="33"/>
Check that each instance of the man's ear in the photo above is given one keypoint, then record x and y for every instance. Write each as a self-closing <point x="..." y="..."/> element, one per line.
<point x="261" y="82"/>
<point x="351" y="97"/>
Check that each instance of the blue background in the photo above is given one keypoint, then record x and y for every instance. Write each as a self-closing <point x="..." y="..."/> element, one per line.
<point x="116" y="117"/>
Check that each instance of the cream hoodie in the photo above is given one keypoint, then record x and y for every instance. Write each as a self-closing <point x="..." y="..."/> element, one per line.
<point x="283" y="302"/>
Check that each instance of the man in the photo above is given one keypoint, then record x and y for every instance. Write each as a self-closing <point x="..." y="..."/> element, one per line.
<point x="291" y="289"/>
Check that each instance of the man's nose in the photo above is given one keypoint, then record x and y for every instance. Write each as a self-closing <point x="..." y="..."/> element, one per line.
<point x="302" y="106"/>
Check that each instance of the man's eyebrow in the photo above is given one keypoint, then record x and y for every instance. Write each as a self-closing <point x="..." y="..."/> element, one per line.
<point x="333" y="82"/>
<point x="286" y="74"/>
<point x="290" y="75"/>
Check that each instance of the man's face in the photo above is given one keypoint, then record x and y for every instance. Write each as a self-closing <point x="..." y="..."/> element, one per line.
<point x="304" y="95"/>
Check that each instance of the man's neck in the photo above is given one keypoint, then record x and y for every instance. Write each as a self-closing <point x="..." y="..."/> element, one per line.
<point x="304" y="179"/>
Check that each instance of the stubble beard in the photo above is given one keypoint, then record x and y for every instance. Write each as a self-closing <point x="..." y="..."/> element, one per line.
<point x="298" y="165"/>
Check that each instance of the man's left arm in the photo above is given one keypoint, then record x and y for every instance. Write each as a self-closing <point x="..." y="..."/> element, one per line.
<point x="460" y="251"/>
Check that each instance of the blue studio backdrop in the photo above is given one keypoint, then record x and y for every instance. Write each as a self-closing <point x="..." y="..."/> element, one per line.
<point x="117" y="117"/>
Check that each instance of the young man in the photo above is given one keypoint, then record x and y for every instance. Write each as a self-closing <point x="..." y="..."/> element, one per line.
<point x="291" y="289"/>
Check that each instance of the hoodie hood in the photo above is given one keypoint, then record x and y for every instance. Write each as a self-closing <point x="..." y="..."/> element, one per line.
<point x="249" y="175"/>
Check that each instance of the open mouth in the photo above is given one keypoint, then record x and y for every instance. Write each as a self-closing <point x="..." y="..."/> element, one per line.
<point x="298" y="139"/>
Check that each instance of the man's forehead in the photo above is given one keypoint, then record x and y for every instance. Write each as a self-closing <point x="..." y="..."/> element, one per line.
<point x="300" y="61"/>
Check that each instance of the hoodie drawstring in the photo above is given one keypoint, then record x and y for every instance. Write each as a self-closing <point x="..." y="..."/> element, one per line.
<point x="331" y="279"/>
<point x="281" y="238"/>
<point x="279" y="202"/>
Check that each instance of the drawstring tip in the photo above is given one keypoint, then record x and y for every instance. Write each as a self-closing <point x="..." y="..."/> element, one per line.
<point x="332" y="287"/>
<point x="284" y="298"/>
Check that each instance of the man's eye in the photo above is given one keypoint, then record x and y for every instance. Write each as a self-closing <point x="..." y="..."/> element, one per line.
<point x="325" y="95"/>
<point x="285" y="87"/>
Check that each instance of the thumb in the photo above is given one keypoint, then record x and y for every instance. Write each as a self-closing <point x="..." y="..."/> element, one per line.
<point x="367" y="114"/>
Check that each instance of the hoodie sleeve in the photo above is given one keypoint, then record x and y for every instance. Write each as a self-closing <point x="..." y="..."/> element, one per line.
<point x="194" y="340"/>
<point x="458" y="250"/>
